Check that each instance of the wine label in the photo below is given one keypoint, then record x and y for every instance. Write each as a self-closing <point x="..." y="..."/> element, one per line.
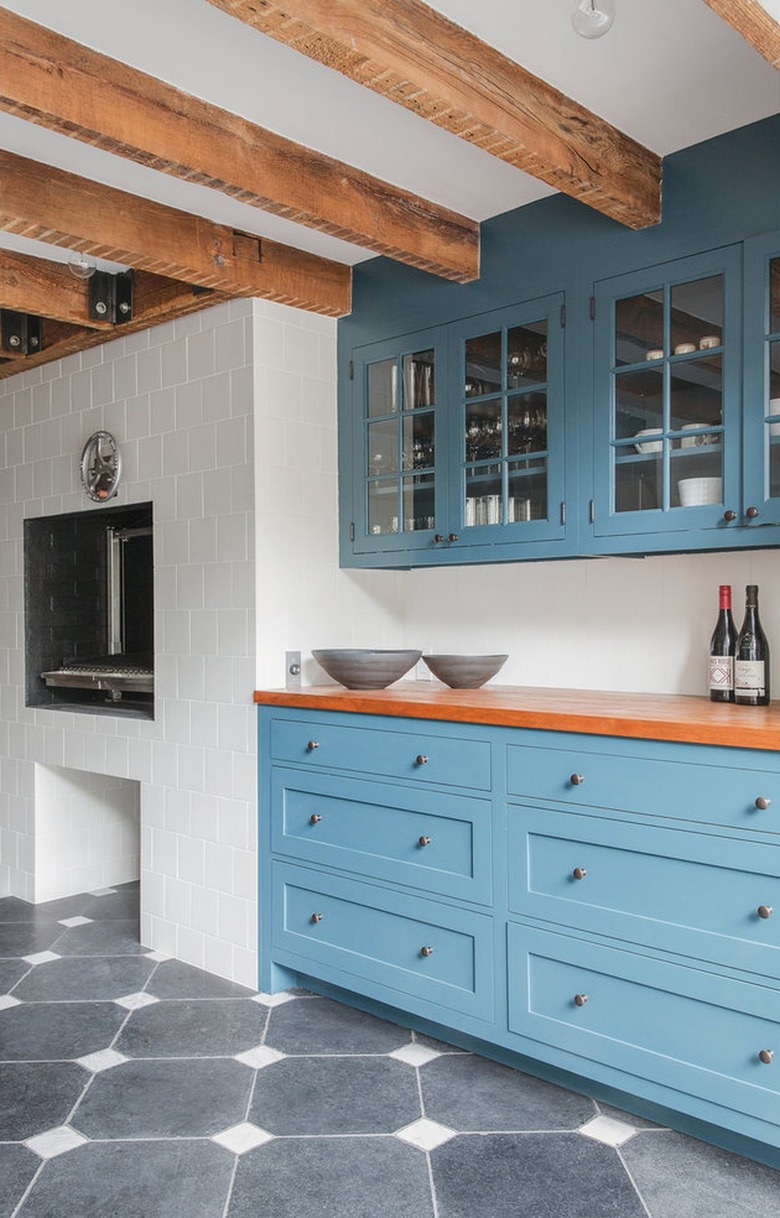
<point x="721" y="672"/>
<point x="749" y="676"/>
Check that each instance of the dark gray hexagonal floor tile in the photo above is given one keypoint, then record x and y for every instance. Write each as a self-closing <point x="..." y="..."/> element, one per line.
<point x="52" y="1031"/>
<point x="18" y="1165"/>
<point x="11" y="971"/>
<point x="26" y="938"/>
<point x="197" y="1028"/>
<point x="335" y="1095"/>
<point x="35" y="1096"/>
<point x="12" y="909"/>
<point x="174" y="979"/>
<point x="531" y="1176"/>
<point x="470" y="1093"/>
<point x="85" y="978"/>
<point x="133" y="1180"/>
<point x="122" y="904"/>
<point x="680" y="1177"/>
<point x="165" y="1099"/>
<point x="317" y="1025"/>
<point x="332" y="1178"/>
<point x="114" y="938"/>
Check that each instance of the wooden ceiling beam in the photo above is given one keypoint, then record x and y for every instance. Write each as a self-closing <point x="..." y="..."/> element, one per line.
<point x="50" y="205"/>
<point x="750" y="19"/>
<point x="418" y="58"/>
<point x="50" y="80"/>
<point x="45" y="289"/>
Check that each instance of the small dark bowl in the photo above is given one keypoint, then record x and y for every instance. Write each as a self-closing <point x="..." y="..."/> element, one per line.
<point x="363" y="668"/>
<point x="465" y="672"/>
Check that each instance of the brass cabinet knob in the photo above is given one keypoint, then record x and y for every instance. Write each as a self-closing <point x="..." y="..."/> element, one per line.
<point x="579" y="873"/>
<point x="426" y="951"/>
<point x="315" y="818"/>
<point x="421" y="759"/>
<point x="728" y="516"/>
<point x="580" y="1000"/>
<point x="577" y="780"/>
<point x="751" y="513"/>
<point x="437" y="537"/>
<point x="766" y="1056"/>
<point x="764" y="911"/>
<point x="762" y="803"/>
<point x="312" y="745"/>
<point x="452" y="537"/>
<point x="315" y="917"/>
<point x="424" y="840"/>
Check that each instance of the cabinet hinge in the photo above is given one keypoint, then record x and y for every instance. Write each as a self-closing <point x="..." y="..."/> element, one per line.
<point x="563" y="513"/>
<point x="563" y="316"/>
<point x="592" y="512"/>
<point x="351" y="370"/>
<point x="593" y="308"/>
<point x="352" y="531"/>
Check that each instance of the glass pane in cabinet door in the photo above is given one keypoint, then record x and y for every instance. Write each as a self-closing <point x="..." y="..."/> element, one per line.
<point x="639" y="328"/>
<point x="774" y="296"/>
<point x="483" y="365"/>
<point x="639" y="477"/>
<point x="527" y="423"/>
<point x="484" y="497"/>
<point x="483" y="430"/>
<point x="383" y="506"/>
<point x="526" y="359"/>
<point x="526" y="491"/>
<point x="382" y="387"/>
<point x="773" y="426"/>
<point x="382" y="452"/>
<point x="697" y="470"/>
<point x="418" y="443"/>
<point x="639" y="403"/>
<point x="774" y="378"/>
<point x="697" y="315"/>
<point x="696" y="395"/>
<point x="419" y="387"/>
<point x="418" y="504"/>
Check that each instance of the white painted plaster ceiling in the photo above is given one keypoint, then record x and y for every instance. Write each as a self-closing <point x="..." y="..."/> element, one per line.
<point x="670" y="73"/>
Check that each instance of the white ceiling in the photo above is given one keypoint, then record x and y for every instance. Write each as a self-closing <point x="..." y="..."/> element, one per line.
<point x="670" y="73"/>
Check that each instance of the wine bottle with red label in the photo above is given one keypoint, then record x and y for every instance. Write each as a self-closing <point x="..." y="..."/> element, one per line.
<point x="722" y="648"/>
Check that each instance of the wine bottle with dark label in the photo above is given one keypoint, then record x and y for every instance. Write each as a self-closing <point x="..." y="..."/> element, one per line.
<point x="722" y="647"/>
<point x="751" y="656"/>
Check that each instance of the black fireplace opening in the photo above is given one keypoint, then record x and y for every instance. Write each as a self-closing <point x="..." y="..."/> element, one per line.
<point x="89" y="611"/>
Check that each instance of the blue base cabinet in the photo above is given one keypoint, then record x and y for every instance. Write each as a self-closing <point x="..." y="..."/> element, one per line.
<point x="601" y="907"/>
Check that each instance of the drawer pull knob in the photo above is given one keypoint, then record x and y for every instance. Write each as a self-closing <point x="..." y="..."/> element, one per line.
<point x="424" y="840"/>
<point x="312" y="745"/>
<point x="426" y="951"/>
<point x="766" y="1056"/>
<point x="577" y="780"/>
<point x="452" y="537"/>
<point x="421" y="759"/>
<point x="764" y="911"/>
<point x="580" y="1000"/>
<point x="729" y="515"/>
<point x="752" y="513"/>
<point x="762" y="803"/>
<point x="579" y="873"/>
<point x="315" y="917"/>
<point x="315" y="818"/>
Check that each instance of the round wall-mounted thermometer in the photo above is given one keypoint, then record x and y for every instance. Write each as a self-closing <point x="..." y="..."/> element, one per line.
<point x="101" y="466"/>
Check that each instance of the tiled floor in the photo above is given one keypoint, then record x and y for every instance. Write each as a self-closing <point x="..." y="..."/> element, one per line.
<point x="132" y="1086"/>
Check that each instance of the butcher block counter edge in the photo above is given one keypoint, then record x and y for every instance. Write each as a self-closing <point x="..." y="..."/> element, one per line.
<point x="681" y="717"/>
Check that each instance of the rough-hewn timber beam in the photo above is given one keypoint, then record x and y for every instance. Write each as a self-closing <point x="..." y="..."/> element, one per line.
<point x="44" y="288"/>
<point x="412" y="54"/>
<point x="40" y="201"/>
<point x="66" y="87"/>
<point x="754" y="23"/>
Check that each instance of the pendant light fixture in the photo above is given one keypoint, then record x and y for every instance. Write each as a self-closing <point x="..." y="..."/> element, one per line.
<point x="593" y="18"/>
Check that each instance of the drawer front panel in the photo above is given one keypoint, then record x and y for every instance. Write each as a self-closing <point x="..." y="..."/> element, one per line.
<point x="417" y="947"/>
<point x="632" y="782"/>
<point x="424" y="839"/>
<point x="420" y="756"/>
<point x="690" y="893"/>
<point x="693" y="1031"/>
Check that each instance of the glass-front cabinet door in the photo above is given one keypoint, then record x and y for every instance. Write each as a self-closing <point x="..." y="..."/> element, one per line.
<point x="762" y="381"/>
<point x="396" y="458"/>
<point x="508" y="444"/>
<point x="667" y="397"/>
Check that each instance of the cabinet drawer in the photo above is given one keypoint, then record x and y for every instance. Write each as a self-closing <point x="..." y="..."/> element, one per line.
<point x="690" y="893"/>
<point x="682" y="1028"/>
<point x="421" y="755"/>
<point x="424" y="839"/>
<point x="339" y="929"/>
<point x="632" y="779"/>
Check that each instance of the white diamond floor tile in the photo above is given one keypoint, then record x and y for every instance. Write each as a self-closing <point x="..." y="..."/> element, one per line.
<point x="78" y="921"/>
<point x="102" y="892"/>
<point x="6" y="1002"/>
<point x="415" y="1055"/>
<point x="260" y="1057"/>
<point x="608" y="1130"/>
<point x="425" y="1134"/>
<point x="274" y="1000"/>
<point x="242" y="1138"/>
<point x="134" y="1002"/>
<point x="105" y="1059"/>
<point x="41" y="958"/>
<point x="55" y="1142"/>
<point x="159" y="956"/>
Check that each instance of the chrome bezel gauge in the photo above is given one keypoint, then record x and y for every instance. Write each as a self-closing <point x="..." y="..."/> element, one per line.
<point x="101" y="466"/>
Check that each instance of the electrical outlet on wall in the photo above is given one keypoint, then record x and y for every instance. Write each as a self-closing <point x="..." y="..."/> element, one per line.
<point x="292" y="669"/>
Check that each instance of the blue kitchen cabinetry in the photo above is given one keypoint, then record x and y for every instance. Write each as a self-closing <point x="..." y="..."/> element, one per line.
<point x="761" y="477"/>
<point x="599" y="909"/>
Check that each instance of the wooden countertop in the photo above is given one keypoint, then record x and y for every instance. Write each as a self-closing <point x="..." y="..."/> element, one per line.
<point x="694" y="720"/>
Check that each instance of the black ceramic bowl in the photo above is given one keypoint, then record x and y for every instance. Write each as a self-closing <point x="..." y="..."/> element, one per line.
<point x="465" y="672"/>
<point x="363" y="668"/>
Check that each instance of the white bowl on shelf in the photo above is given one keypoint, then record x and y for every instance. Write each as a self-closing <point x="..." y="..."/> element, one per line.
<point x="696" y="491"/>
<point x="649" y="446"/>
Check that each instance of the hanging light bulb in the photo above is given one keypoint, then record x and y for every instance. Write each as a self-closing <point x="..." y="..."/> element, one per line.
<point x="592" y="18"/>
<point x="81" y="266"/>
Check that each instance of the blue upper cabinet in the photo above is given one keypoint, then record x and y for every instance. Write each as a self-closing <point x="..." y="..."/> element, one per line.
<point x="761" y="504"/>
